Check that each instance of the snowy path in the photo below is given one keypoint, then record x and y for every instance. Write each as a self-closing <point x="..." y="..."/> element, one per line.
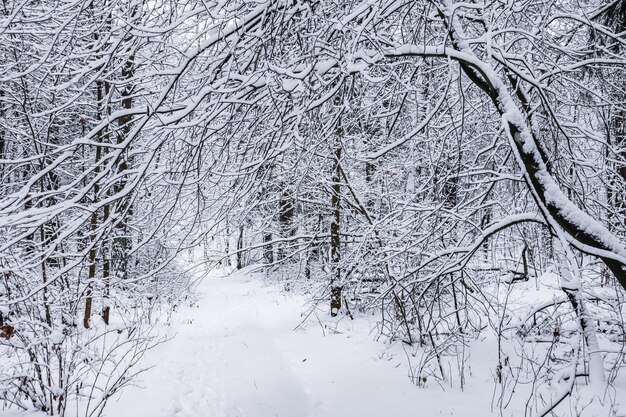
<point x="236" y="355"/>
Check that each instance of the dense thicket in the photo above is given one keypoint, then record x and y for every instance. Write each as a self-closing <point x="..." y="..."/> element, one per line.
<point x="416" y="157"/>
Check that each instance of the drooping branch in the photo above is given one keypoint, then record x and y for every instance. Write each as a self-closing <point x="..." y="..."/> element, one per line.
<point x="582" y="231"/>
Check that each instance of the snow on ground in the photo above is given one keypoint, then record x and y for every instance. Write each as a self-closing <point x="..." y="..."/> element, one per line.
<point x="236" y="354"/>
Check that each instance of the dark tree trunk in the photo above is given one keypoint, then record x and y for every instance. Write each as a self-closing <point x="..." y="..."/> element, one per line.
<point x="240" y="263"/>
<point x="121" y="241"/>
<point x="285" y="219"/>
<point x="335" y="237"/>
<point x="268" y="248"/>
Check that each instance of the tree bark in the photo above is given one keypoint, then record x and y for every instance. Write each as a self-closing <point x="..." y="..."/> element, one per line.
<point x="240" y="264"/>
<point x="335" y="238"/>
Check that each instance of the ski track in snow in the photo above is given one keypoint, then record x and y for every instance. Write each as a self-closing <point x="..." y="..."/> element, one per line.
<point x="236" y="354"/>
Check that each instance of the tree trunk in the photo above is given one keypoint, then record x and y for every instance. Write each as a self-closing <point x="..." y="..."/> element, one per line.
<point x="121" y="240"/>
<point x="268" y="249"/>
<point x="240" y="264"/>
<point x="285" y="219"/>
<point x="335" y="238"/>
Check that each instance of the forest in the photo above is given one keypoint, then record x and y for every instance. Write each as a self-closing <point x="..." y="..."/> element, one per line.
<point x="443" y="179"/>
